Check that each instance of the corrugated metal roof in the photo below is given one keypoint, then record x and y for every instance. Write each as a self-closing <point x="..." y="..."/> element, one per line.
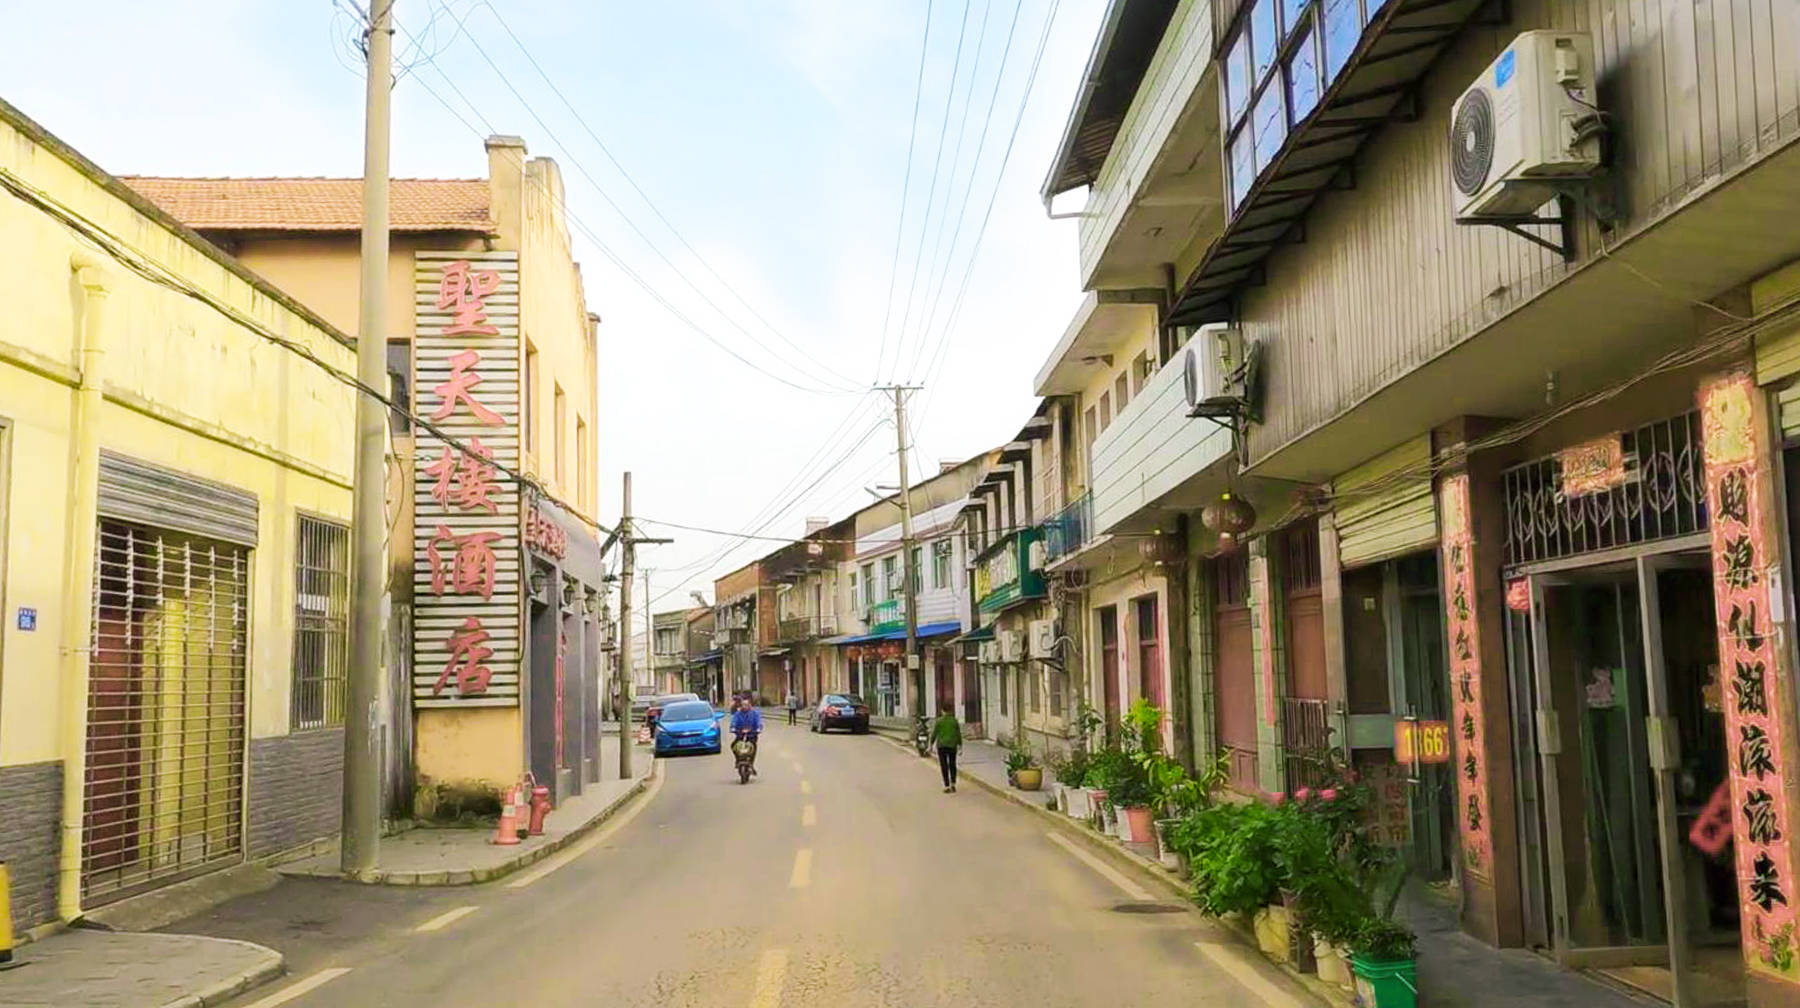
<point x="1129" y="35"/>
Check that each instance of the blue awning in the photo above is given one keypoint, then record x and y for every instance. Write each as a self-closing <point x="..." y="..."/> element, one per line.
<point x="925" y="630"/>
<point x="708" y="657"/>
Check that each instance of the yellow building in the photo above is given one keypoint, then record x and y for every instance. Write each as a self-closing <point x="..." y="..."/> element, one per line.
<point x="174" y="502"/>
<point x="481" y="267"/>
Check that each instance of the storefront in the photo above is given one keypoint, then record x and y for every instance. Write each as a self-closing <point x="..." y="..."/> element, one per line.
<point x="562" y="648"/>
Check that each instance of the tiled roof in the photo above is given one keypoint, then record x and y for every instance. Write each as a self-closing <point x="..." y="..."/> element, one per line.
<point x="316" y="204"/>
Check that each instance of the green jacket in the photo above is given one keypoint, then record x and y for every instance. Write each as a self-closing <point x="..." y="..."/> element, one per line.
<point x="946" y="732"/>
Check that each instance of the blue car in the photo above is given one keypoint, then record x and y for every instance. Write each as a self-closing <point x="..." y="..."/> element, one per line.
<point x="688" y="726"/>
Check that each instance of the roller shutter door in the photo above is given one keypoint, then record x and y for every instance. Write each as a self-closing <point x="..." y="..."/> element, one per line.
<point x="1387" y="505"/>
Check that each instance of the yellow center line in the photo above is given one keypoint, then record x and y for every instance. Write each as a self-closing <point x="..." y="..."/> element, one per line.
<point x="771" y="971"/>
<point x="806" y="787"/>
<point x="809" y="816"/>
<point x="292" y="991"/>
<point x="444" y="920"/>
<point x="802" y="876"/>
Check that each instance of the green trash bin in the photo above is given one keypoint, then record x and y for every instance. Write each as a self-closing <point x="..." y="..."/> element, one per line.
<point x="1386" y="983"/>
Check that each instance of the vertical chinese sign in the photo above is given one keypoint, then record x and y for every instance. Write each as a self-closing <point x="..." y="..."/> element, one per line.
<point x="1755" y="694"/>
<point x="466" y="564"/>
<point x="1467" y="727"/>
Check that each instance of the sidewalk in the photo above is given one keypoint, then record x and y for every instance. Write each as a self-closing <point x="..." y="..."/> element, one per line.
<point x="1455" y="970"/>
<point x="102" y="969"/>
<point x="453" y="856"/>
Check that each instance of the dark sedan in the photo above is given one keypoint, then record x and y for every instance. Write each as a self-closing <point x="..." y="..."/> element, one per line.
<point x="841" y="710"/>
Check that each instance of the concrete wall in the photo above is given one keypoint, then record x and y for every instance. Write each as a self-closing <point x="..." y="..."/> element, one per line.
<point x="29" y="839"/>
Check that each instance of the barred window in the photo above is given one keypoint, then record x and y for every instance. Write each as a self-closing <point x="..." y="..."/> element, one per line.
<point x="321" y="623"/>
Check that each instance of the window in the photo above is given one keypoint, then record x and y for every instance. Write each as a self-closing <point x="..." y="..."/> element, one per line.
<point x="1264" y="38"/>
<point x="868" y="576"/>
<point x="853" y="581"/>
<point x="1269" y="124"/>
<point x="1121" y="391"/>
<point x="890" y="576"/>
<point x="528" y="396"/>
<point x="399" y="369"/>
<point x="942" y="553"/>
<point x="1149" y="646"/>
<point x="1059" y="685"/>
<point x="1237" y="78"/>
<point x="1303" y="78"/>
<point x="1243" y="166"/>
<point x="1343" y="29"/>
<point x="1092" y="431"/>
<point x="321" y="623"/>
<point x="582" y="491"/>
<point x="1105" y="410"/>
<point x="918" y="568"/>
<point x="560" y="417"/>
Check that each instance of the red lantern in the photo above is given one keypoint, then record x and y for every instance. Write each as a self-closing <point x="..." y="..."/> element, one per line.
<point x="1228" y="515"/>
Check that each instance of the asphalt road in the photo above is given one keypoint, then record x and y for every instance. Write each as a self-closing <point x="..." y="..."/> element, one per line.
<point x="842" y="875"/>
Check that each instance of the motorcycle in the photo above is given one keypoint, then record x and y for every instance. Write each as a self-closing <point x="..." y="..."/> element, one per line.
<point x="922" y="735"/>
<point x="745" y="752"/>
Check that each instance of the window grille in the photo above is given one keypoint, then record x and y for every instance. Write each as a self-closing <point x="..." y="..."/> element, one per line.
<point x="321" y="623"/>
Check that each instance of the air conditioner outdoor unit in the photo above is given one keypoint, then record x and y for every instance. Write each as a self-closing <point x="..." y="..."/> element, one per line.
<point x="1043" y="638"/>
<point x="1527" y="120"/>
<point x="1010" y="645"/>
<point x="989" y="652"/>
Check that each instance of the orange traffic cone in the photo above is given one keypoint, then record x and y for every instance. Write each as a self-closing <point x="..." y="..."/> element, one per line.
<point x="508" y="833"/>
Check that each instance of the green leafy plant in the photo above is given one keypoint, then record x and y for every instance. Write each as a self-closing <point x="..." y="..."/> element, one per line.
<point x="1231" y="857"/>
<point x="1382" y="939"/>
<point x="1071" y="770"/>
<point x="1019" y="755"/>
<point x="1143" y="727"/>
<point x="1088" y="723"/>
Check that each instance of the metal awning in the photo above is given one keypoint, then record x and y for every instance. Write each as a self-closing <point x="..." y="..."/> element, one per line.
<point x="774" y="652"/>
<point x="1375" y="87"/>
<point x="1128" y="39"/>
<point x="707" y="658"/>
<point x="924" y="630"/>
<point x="976" y="635"/>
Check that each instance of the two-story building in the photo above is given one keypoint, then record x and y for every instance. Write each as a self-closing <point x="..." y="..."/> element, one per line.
<point x="175" y="484"/>
<point x="496" y="580"/>
<point x="1502" y="400"/>
<point x="703" y="657"/>
<point x="807" y="606"/>
<point x="669" y="649"/>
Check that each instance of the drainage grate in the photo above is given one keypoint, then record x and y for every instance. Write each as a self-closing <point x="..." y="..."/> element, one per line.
<point x="1149" y="908"/>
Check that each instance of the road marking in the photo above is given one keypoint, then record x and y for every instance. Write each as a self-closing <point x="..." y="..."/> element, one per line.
<point x="1248" y="976"/>
<point x="771" y="970"/>
<point x="617" y="823"/>
<point x="802" y="869"/>
<point x="1104" y="870"/>
<point x="809" y="816"/>
<point x="806" y="787"/>
<point x="292" y="991"/>
<point x="444" y="920"/>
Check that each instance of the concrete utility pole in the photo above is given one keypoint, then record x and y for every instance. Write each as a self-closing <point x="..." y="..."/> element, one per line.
<point x="650" y="634"/>
<point x="362" y="774"/>
<point x="914" y="665"/>
<point x="628" y="541"/>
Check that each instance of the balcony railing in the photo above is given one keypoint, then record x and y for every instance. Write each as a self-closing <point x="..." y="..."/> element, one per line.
<point x="887" y="615"/>
<point x="798" y="628"/>
<point x="1068" y="530"/>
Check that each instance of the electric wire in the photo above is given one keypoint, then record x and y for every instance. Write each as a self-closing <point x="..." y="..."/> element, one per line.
<point x="905" y="189"/>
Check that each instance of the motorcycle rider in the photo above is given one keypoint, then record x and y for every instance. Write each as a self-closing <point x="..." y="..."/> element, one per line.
<point x="746" y="725"/>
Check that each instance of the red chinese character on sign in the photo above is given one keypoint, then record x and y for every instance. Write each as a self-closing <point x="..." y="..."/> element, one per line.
<point x="468" y="660"/>
<point x="469" y="568"/>
<point x="457" y="388"/>
<point x="461" y="290"/>
<point x="469" y="485"/>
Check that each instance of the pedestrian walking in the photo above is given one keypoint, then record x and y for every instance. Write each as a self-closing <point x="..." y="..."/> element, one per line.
<point x="947" y="733"/>
<point x="793" y="706"/>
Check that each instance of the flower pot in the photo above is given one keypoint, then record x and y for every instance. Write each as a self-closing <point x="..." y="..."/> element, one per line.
<point x="1170" y="859"/>
<point x="1334" y="965"/>
<point x="1386" y="983"/>
<point x="1183" y="867"/>
<point x="1079" y="806"/>
<point x="1272" y="932"/>
<point x="1300" y="940"/>
<point x="1139" y="825"/>
<point x="1029" y="779"/>
<point x="1109" y="816"/>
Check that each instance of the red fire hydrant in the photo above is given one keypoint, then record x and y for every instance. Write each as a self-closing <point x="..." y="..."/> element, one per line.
<point x="540" y="807"/>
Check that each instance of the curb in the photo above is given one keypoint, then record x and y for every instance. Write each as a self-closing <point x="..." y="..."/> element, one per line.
<point x="1156" y="874"/>
<point x="476" y="876"/>
<point x="273" y="967"/>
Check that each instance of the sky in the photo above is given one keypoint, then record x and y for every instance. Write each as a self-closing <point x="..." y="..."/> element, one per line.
<point x="735" y="173"/>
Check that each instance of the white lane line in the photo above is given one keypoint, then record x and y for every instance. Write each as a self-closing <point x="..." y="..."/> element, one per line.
<point x="806" y="787"/>
<point x="1101" y="868"/>
<point x="444" y="920"/>
<point x="1227" y="959"/>
<point x="771" y="971"/>
<point x="809" y="816"/>
<point x="292" y="991"/>
<point x="802" y="876"/>
<point x="606" y="831"/>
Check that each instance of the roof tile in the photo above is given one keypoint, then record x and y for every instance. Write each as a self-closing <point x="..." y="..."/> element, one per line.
<point x="316" y="204"/>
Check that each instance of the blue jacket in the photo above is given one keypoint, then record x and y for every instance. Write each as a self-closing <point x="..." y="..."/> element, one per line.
<point x="746" y="721"/>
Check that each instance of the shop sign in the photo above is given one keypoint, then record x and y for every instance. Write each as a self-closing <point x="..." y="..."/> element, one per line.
<point x="1389" y="816"/>
<point x="1467" y="725"/>
<point x="466" y="529"/>
<point x="544" y="535"/>
<point x="1012" y="572"/>
<point x="1592" y="466"/>
<point x="1421" y="742"/>
<point x="1755" y="677"/>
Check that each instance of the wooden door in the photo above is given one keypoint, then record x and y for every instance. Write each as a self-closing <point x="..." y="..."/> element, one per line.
<point x="1234" y="675"/>
<point x="1109" y="666"/>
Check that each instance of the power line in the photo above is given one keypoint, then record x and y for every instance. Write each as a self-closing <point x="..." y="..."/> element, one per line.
<point x="905" y="188"/>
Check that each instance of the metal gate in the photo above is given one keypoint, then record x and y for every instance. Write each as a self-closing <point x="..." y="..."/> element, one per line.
<point x="163" y="794"/>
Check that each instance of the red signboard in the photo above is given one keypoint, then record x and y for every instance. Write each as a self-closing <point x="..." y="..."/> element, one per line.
<point x="1421" y="741"/>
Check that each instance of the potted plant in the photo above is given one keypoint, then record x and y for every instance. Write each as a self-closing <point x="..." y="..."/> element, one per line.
<point x="1130" y="791"/>
<point x="1022" y="766"/>
<point x="1230" y="849"/>
<point x="1383" y="959"/>
<point x="1071" y="777"/>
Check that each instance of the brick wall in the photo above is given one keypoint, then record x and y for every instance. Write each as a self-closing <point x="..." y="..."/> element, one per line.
<point x="31" y="794"/>
<point x="295" y="789"/>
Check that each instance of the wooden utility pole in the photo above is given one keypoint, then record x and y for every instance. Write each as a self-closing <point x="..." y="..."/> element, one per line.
<point x="629" y="542"/>
<point x="362" y="773"/>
